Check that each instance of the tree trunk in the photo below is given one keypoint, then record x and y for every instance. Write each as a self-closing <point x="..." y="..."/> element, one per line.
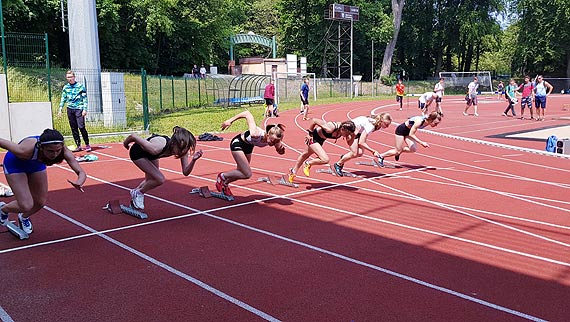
<point x="397" y="8"/>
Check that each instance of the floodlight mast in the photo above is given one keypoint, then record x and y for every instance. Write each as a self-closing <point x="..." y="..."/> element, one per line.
<point x="341" y="13"/>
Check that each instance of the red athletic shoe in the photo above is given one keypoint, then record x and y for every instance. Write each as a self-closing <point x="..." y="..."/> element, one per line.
<point x="220" y="183"/>
<point x="227" y="191"/>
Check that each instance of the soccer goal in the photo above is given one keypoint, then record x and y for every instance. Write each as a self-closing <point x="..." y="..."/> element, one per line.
<point x="457" y="82"/>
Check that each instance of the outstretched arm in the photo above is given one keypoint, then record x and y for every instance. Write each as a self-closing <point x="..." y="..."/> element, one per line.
<point x="81" y="175"/>
<point x="243" y="115"/>
<point x="364" y="146"/>
<point x="154" y="146"/>
<point x="413" y="136"/>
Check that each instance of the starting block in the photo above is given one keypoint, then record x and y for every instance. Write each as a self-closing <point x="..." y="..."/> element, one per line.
<point x="206" y="193"/>
<point x="279" y="180"/>
<point x="344" y="173"/>
<point x="16" y="230"/>
<point x="115" y="207"/>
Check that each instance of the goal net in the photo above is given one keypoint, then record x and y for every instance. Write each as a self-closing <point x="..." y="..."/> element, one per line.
<point x="457" y="82"/>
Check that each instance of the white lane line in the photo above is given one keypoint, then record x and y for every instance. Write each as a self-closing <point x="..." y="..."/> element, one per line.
<point x="170" y="269"/>
<point x="4" y="316"/>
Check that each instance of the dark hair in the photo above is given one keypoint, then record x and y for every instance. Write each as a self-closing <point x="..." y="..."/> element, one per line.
<point x="348" y="126"/>
<point x="48" y="137"/>
<point x="183" y="139"/>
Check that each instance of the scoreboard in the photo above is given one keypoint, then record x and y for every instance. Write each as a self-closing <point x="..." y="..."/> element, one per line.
<point x="344" y="12"/>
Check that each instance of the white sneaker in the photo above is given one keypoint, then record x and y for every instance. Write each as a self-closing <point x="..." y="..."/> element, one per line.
<point x="138" y="198"/>
<point x="465" y="113"/>
<point x="25" y="224"/>
<point x="476" y="114"/>
<point x="3" y="215"/>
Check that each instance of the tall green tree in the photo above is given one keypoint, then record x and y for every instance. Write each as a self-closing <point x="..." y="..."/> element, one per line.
<point x="544" y="38"/>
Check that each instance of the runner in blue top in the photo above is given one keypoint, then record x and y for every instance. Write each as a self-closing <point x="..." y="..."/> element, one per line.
<point x="25" y="170"/>
<point x="145" y="154"/>
<point x="406" y="137"/>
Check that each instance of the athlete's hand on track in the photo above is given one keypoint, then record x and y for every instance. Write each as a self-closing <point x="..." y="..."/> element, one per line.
<point x="75" y="185"/>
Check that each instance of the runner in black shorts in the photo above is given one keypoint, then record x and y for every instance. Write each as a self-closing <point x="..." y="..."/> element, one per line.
<point x="406" y="137"/>
<point x="145" y="154"/>
<point x="318" y="132"/>
<point x="242" y="146"/>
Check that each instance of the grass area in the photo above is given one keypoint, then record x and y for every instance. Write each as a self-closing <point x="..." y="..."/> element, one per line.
<point x="180" y="104"/>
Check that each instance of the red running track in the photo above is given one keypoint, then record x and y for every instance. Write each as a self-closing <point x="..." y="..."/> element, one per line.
<point x="459" y="231"/>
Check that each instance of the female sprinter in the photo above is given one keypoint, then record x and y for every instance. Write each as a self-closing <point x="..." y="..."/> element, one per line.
<point x="319" y="131"/>
<point x="145" y="154"/>
<point x="406" y="137"/>
<point x="242" y="148"/>
<point x="25" y="170"/>
<point x="365" y="125"/>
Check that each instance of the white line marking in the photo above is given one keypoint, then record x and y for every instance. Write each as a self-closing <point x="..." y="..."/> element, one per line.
<point x="170" y="269"/>
<point x="4" y="316"/>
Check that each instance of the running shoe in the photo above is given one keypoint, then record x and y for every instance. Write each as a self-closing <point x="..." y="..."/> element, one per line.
<point x="226" y="190"/>
<point x="307" y="169"/>
<point x="476" y="114"/>
<point x="397" y="157"/>
<point x="338" y="169"/>
<point x="25" y="224"/>
<point x="465" y="113"/>
<point x="87" y="148"/>
<point x="380" y="161"/>
<point x="137" y="198"/>
<point x="219" y="182"/>
<point x="3" y="215"/>
<point x="291" y="176"/>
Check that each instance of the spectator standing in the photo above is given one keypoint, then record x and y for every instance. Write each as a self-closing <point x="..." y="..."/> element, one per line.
<point x="195" y="72"/>
<point x="511" y="98"/>
<point x="527" y="96"/>
<point x="439" y="89"/>
<point x="471" y="97"/>
<point x="542" y="90"/>
<point x="400" y="90"/>
<point x="203" y="72"/>
<point x="305" y="98"/>
<point x="269" y="96"/>
<point x="500" y="90"/>
<point x="75" y="95"/>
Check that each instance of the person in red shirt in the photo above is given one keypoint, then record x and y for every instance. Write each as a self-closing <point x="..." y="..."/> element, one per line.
<point x="400" y="90"/>
<point x="527" y="96"/>
<point x="269" y="96"/>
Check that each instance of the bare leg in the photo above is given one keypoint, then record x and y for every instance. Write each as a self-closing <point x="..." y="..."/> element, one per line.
<point x="152" y="175"/>
<point x="243" y="170"/>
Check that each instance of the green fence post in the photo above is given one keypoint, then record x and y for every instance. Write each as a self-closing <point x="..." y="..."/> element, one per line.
<point x="172" y="85"/>
<point x="186" y="90"/>
<point x="48" y="68"/>
<point x="146" y="122"/>
<point x="160" y="91"/>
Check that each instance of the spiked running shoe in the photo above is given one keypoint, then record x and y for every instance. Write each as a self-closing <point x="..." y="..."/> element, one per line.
<point x="307" y="169"/>
<point x="338" y="169"/>
<point x="25" y="224"/>
<point x="291" y="176"/>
